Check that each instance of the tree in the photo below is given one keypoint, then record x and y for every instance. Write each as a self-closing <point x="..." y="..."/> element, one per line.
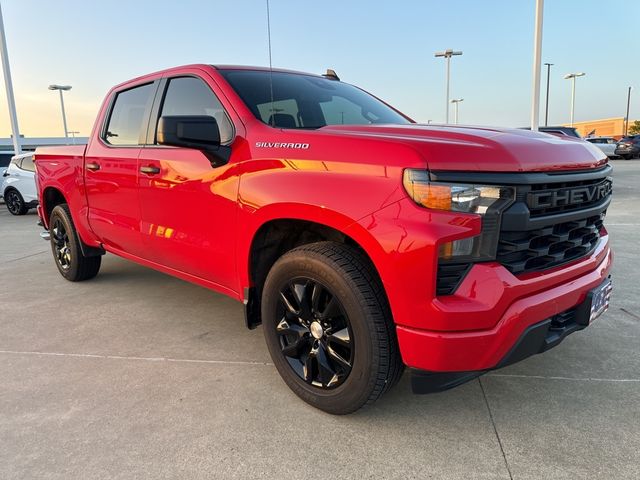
<point x="634" y="128"/>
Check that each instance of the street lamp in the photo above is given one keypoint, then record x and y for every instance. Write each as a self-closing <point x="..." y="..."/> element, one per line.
<point x="572" y="77"/>
<point x="447" y="54"/>
<point x="546" y="110"/>
<point x="62" y="88"/>
<point x="456" y="101"/>
<point x="626" y="123"/>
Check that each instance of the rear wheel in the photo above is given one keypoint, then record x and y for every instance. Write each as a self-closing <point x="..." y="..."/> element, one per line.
<point x="15" y="202"/>
<point x="65" y="245"/>
<point x="328" y="327"/>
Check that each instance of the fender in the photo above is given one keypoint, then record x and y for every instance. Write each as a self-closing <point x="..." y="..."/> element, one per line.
<point x="314" y="191"/>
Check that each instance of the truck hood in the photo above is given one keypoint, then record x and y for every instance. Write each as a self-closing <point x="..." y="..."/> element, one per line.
<point x="446" y="147"/>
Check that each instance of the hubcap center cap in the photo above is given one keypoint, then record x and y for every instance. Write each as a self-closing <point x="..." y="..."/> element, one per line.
<point x="316" y="330"/>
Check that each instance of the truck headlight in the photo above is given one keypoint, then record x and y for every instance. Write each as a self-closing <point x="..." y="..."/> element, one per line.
<point x="488" y="201"/>
<point x="465" y="198"/>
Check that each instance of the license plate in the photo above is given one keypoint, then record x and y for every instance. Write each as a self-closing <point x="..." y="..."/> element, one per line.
<point x="600" y="298"/>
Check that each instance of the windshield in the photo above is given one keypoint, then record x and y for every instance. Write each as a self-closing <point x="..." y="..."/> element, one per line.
<point x="305" y="101"/>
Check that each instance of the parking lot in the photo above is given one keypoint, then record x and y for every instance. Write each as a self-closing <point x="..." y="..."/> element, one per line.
<point x="136" y="374"/>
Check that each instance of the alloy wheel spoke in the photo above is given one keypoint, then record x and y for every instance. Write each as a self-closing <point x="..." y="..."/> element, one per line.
<point x="289" y="328"/>
<point x="297" y="348"/>
<point x="331" y="310"/>
<point x="305" y="296"/>
<point x="298" y="290"/>
<point x="315" y="297"/>
<point x="336" y="357"/>
<point x="307" y="369"/>
<point x="288" y="304"/>
<point x="325" y="370"/>
<point x="341" y="337"/>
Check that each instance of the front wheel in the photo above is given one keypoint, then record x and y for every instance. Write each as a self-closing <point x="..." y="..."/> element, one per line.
<point x="15" y="202"/>
<point x="65" y="245"/>
<point x="328" y="327"/>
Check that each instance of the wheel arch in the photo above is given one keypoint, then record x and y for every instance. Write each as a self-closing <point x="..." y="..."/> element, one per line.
<point x="51" y="197"/>
<point x="8" y="189"/>
<point x="274" y="236"/>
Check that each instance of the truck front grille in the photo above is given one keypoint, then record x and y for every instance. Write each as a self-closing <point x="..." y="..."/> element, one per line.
<point x="527" y="251"/>
<point x="553" y="221"/>
<point x="555" y="218"/>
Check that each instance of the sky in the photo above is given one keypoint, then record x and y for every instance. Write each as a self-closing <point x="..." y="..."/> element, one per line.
<point x="384" y="47"/>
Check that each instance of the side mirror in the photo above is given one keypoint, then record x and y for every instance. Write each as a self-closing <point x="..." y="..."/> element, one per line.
<point x="200" y="132"/>
<point x="190" y="131"/>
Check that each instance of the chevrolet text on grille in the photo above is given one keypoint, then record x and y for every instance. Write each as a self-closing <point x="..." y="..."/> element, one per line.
<point x="569" y="196"/>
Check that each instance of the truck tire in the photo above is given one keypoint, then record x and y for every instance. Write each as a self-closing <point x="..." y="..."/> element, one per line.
<point x="15" y="202"/>
<point x="65" y="245"/>
<point x="328" y="327"/>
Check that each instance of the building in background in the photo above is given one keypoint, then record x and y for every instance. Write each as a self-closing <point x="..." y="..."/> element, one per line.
<point x="30" y="144"/>
<point x="607" y="127"/>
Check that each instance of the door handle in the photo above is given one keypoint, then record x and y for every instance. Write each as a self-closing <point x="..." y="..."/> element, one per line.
<point x="150" y="170"/>
<point x="93" y="166"/>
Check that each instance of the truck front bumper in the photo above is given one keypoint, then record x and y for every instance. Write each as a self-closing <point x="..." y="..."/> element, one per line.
<point x="530" y="324"/>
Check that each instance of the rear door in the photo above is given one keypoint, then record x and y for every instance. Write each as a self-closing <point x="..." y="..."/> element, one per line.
<point x="189" y="206"/>
<point x="111" y="169"/>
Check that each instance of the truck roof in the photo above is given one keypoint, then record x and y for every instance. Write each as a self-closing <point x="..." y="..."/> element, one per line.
<point x="262" y="69"/>
<point x="205" y="66"/>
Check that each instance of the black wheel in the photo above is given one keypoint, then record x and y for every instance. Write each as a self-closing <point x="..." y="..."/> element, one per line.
<point x="328" y="327"/>
<point x="65" y="245"/>
<point x="15" y="202"/>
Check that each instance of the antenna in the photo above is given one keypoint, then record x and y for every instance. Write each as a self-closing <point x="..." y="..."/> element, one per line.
<point x="272" y="116"/>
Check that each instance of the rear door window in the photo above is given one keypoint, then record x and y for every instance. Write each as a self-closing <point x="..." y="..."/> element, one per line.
<point x="127" y="121"/>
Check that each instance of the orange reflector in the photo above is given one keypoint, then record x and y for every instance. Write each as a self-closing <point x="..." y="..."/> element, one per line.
<point x="446" y="250"/>
<point x="432" y="196"/>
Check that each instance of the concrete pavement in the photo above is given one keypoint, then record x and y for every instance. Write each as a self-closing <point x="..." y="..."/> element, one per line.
<point x="136" y="374"/>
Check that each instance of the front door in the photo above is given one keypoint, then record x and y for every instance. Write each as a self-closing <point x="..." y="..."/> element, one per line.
<point x="188" y="206"/>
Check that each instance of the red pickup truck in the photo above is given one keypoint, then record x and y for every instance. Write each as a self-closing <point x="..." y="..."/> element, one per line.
<point x="360" y="240"/>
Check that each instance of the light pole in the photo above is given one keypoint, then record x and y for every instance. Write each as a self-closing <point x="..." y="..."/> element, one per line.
<point x="447" y="54"/>
<point x="456" y="102"/>
<point x="17" y="148"/>
<point x="626" y="123"/>
<point x="546" y="110"/>
<point x="572" y="77"/>
<point x="537" y="56"/>
<point x="60" y="89"/>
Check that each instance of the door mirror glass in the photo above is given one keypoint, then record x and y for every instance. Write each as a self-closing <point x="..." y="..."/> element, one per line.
<point x="200" y="132"/>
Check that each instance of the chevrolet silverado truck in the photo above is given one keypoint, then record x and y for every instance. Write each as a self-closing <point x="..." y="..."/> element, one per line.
<point x="362" y="241"/>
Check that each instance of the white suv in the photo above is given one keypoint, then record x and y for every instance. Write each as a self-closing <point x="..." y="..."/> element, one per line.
<point x="606" y="144"/>
<point x="19" y="185"/>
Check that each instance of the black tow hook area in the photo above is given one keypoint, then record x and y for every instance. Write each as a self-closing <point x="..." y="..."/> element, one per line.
<point x="431" y="382"/>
